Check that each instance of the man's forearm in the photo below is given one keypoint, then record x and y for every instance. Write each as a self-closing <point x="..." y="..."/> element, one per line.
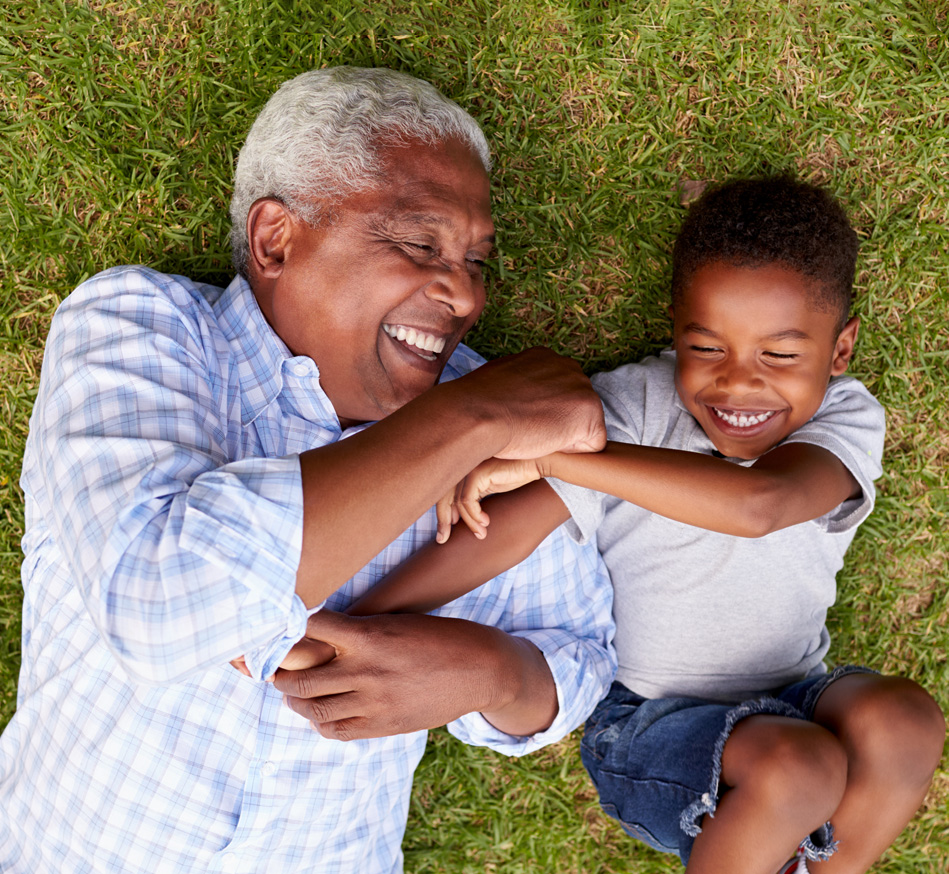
<point x="361" y="493"/>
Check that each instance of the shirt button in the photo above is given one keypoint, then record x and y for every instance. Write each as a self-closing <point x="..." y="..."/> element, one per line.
<point x="268" y="769"/>
<point x="229" y="862"/>
<point x="301" y="369"/>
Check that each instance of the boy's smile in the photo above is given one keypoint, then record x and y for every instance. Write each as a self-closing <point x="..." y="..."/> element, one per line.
<point x="754" y="354"/>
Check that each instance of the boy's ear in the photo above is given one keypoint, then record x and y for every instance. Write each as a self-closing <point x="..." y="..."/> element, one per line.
<point x="672" y="316"/>
<point x="843" y="348"/>
<point x="269" y="229"/>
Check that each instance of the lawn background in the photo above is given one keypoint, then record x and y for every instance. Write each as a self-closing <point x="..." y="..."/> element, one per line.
<point x="120" y="124"/>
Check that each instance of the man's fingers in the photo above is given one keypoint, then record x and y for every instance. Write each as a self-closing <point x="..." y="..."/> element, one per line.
<point x="319" y="682"/>
<point x="340" y="717"/>
<point x="595" y="443"/>
<point x="308" y="653"/>
<point x="336" y="629"/>
<point x="356" y="728"/>
<point x="325" y="709"/>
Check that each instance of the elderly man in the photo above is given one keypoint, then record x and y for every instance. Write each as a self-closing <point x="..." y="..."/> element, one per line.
<point x="190" y="500"/>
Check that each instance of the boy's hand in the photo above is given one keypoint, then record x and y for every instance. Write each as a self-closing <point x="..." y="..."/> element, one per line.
<point x="489" y="478"/>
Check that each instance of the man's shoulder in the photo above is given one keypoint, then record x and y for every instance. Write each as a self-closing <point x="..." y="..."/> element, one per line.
<point x="463" y="360"/>
<point x="135" y="286"/>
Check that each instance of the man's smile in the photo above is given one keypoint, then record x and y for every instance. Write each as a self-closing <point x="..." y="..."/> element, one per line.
<point x="422" y="343"/>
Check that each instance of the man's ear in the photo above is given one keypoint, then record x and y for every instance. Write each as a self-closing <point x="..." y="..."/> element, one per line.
<point x="843" y="348"/>
<point x="269" y="229"/>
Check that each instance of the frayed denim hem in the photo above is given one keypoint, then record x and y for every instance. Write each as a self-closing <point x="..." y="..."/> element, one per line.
<point x="820" y="845"/>
<point x="689" y="820"/>
<point x="810" y="701"/>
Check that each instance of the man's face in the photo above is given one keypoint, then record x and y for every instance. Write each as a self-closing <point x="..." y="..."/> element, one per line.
<point x="753" y="355"/>
<point x="380" y="297"/>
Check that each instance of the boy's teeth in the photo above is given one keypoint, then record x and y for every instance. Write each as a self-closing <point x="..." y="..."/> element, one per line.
<point x="741" y="420"/>
<point x="419" y="339"/>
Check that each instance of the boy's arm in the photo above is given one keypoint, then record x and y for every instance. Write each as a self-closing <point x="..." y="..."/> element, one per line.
<point x="793" y="483"/>
<point x="790" y="484"/>
<point x="439" y="573"/>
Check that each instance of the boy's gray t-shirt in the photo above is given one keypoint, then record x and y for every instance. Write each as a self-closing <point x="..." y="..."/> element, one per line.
<point x="711" y="615"/>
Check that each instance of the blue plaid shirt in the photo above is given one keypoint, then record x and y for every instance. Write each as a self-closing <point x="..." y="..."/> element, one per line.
<point x="164" y="524"/>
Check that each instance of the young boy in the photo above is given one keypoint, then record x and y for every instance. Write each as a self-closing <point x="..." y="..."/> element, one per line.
<point x="741" y="462"/>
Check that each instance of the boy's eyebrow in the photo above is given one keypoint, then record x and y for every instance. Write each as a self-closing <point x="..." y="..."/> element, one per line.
<point x="696" y="328"/>
<point x="788" y="334"/>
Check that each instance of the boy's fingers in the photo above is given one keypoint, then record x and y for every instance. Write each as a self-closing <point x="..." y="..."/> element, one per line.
<point x="474" y="517"/>
<point x="241" y="665"/>
<point x="444" y="513"/>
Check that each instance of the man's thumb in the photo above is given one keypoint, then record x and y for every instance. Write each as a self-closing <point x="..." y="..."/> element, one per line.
<point x="329" y="626"/>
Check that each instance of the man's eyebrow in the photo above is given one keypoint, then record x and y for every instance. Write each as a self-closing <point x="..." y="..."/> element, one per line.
<point x="426" y="219"/>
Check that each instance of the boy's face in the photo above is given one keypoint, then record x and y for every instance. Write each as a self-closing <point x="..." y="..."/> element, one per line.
<point x="753" y="355"/>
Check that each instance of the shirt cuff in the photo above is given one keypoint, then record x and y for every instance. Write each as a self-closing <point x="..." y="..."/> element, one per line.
<point x="577" y="665"/>
<point x="264" y="661"/>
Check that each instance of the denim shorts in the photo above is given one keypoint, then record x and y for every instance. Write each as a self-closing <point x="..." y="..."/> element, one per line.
<point x="656" y="763"/>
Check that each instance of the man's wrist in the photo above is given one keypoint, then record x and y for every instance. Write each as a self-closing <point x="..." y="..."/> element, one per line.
<point x="524" y="695"/>
<point x="485" y="423"/>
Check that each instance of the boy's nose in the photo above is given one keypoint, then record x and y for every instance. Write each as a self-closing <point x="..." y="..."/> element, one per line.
<point x="739" y="377"/>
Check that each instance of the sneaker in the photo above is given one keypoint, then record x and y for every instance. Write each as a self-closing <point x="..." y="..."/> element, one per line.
<point x="797" y="865"/>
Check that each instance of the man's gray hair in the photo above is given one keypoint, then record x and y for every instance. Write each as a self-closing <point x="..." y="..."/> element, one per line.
<point x="315" y="141"/>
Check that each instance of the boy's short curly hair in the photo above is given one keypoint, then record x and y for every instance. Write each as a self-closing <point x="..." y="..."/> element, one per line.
<point x="777" y="220"/>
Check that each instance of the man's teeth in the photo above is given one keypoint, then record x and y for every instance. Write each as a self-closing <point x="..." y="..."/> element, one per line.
<point x="740" y="420"/>
<point x="419" y="339"/>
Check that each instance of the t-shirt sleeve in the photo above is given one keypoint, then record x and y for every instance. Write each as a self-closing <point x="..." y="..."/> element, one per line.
<point x="851" y="424"/>
<point x="623" y="393"/>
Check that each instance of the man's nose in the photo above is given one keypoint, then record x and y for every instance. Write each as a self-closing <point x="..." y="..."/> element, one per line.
<point x="460" y="289"/>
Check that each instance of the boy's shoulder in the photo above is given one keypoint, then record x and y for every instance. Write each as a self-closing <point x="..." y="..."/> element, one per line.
<point x="851" y="424"/>
<point x="642" y="406"/>
<point x="848" y="402"/>
<point x="654" y="373"/>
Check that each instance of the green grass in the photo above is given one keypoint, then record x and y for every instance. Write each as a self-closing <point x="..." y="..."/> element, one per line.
<point x="120" y="124"/>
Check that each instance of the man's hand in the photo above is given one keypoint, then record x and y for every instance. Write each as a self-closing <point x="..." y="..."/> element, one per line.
<point x="403" y="673"/>
<point x="491" y="477"/>
<point x="306" y="653"/>
<point x="546" y="400"/>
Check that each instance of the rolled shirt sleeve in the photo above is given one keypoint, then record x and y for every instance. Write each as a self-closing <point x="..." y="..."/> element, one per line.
<point x="560" y="598"/>
<point x="185" y="553"/>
